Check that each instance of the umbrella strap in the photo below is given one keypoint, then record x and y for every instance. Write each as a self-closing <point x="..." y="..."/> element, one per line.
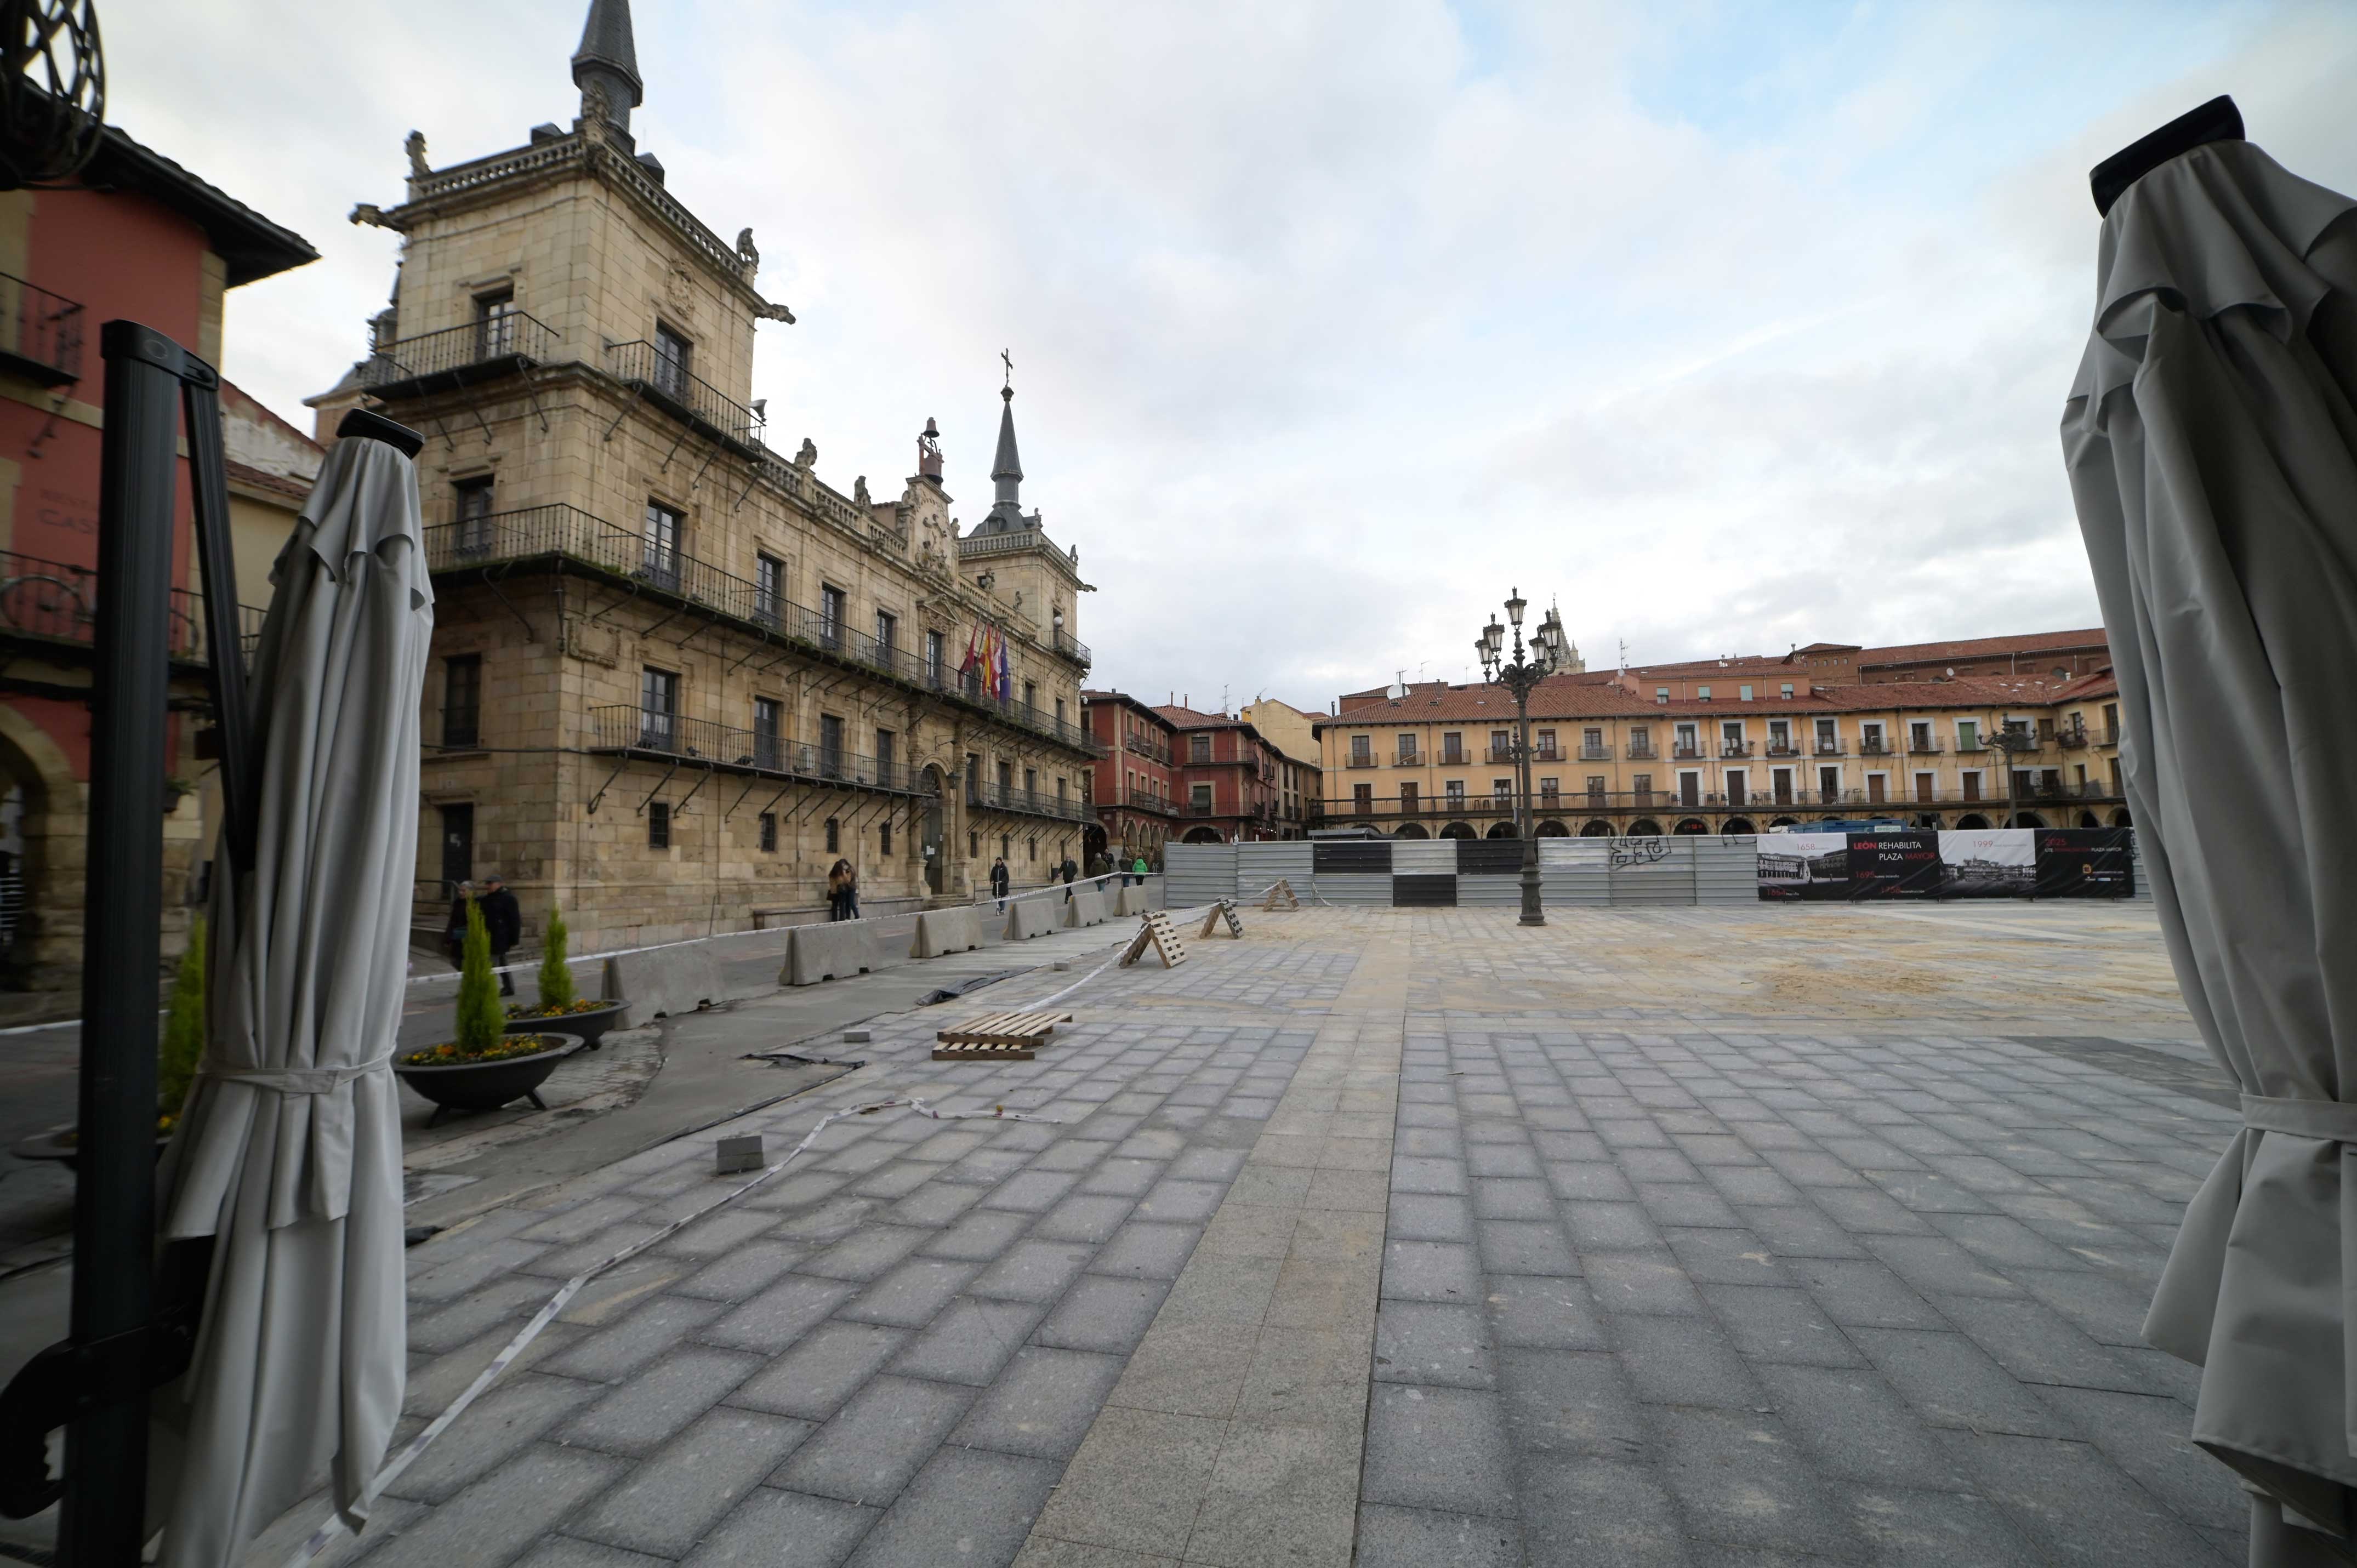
<point x="292" y="1080"/>
<point x="2333" y="1121"/>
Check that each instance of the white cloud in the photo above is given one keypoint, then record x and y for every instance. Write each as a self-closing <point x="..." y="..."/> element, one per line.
<point x="1333" y="321"/>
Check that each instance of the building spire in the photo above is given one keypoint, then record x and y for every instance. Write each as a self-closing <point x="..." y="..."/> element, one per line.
<point x="609" y="59"/>
<point x="1006" y="467"/>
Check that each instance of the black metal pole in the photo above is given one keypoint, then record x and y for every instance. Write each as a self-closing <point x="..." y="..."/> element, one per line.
<point x="103" y="1520"/>
<point x="1532" y="912"/>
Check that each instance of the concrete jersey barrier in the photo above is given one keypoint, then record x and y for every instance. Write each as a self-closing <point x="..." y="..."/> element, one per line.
<point x="1032" y="917"/>
<point x="942" y="931"/>
<point x="1087" y="907"/>
<point x="836" y="949"/>
<point x="663" y="982"/>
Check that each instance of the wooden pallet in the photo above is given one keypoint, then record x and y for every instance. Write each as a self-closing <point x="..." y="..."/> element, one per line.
<point x="1156" y="930"/>
<point x="976" y="1052"/>
<point x="1281" y="896"/>
<point x="1225" y="909"/>
<point x="1012" y="1031"/>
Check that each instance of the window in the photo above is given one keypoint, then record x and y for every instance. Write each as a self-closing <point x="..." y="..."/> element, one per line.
<point x="2111" y="723"/>
<point x="1006" y="846"/>
<point x="1731" y="733"/>
<point x="935" y="652"/>
<point x="1501" y="744"/>
<point x="658" y="709"/>
<point x="1874" y="788"/>
<point x="974" y="846"/>
<point x="973" y="783"/>
<point x="658" y="825"/>
<point x="1702" y="694"/>
<point x="1781" y="781"/>
<point x="462" y="699"/>
<point x="768" y="589"/>
<point x="1362" y="800"/>
<point x="474" y="498"/>
<point x="1591" y="743"/>
<point x="1689" y="740"/>
<point x="673" y="356"/>
<point x="1452" y="748"/>
<point x="769" y="729"/>
<point x="1736" y="786"/>
<point x="1780" y="737"/>
<point x="886" y="749"/>
<point x="1869" y="737"/>
<point x="1456" y="788"/>
<point x="1362" y="751"/>
<point x="1059" y="714"/>
<point x="1006" y="782"/>
<point x="888" y="636"/>
<point x="1918" y="737"/>
<point x="1972" y="780"/>
<point x="495" y="324"/>
<point x="1828" y="740"/>
<point x="1660" y="694"/>
<point x="1199" y="798"/>
<point x="1407" y="799"/>
<point x="1968" y="734"/>
<point x="1828" y="783"/>
<point x="1032" y="696"/>
<point x="830" y="745"/>
<point x="1199" y="748"/>
<point x="1030" y="784"/>
<point x="769" y="833"/>
<point x="658" y="563"/>
<point x="1640" y="740"/>
<point x="832" y="605"/>
<point x="884" y="839"/>
<point x="834" y="835"/>
<point x="1689" y="789"/>
<point x="1501" y="789"/>
<point x="1786" y="689"/>
<point x="1926" y="787"/>
<point x="1035" y="850"/>
<point x="1641" y="787"/>
<point x="1743" y="693"/>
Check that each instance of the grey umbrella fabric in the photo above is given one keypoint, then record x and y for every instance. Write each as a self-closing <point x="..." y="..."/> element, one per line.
<point x="290" y="1151"/>
<point x="2211" y="438"/>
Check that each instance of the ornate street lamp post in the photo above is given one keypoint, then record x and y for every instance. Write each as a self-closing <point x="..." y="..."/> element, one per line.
<point x="1521" y="676"/>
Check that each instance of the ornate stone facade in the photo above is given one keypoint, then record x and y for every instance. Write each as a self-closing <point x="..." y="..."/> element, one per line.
<point x="676" y="675"/>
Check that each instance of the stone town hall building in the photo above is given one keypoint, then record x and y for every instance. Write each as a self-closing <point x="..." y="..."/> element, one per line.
<point x="675" y="675"/>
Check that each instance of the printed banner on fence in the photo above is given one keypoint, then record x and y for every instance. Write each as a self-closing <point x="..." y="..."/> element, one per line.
<point x="2085" y="863"/>
<point x="1988" y="863"/>
<point x="1804" y="866"/>
<point x="1895" y="866"/>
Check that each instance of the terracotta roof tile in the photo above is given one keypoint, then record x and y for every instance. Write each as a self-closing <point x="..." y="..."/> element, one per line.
<point x="1980" y="648"/>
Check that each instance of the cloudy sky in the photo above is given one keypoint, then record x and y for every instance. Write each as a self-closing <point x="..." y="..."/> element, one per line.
<point x="1727" y="325"/>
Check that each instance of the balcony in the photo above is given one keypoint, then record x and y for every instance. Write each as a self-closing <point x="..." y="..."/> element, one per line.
<point x="41" y="334"/>
<point x="1783" y="747"/>
<point x="1146" y="800"/>
<point x="1689" y="751"/>
<point x="1360" y="759"/>
<point x="1924" y="745"/>
<point x="634" y="731"/>
<point x="1032" y="803"/>
<point x="458" y="356"/>
<point x="1452" y="759"/>
<point x="1828" y="747"/>
<point x="669" y="385"/>
<point x="2071" y="737"/>
<point x="1596" y="754"/>
<point x="1873" y="745"/>
<point x="1735" y="749"/>
<point x="49" y="602"/>
<point x="481" y="543"/>
<point x="1070" y="647"/>
<point x="1201" y="809"/>
<point x="1622" y="803"/>
<point x="1408" y="759"/>
<point x="1966" y="743"/>
<point x="1643" y="751"/>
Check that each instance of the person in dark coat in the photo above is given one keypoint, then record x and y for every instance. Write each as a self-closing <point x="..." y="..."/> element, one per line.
<point x="1072" y="869"/>
<point x="454" y="930"/>
<point x="503" y="923"/>
<point x="998" y="880"/>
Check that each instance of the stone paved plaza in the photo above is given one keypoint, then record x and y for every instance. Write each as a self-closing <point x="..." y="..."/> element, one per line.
<point x="1392" y="1237"/>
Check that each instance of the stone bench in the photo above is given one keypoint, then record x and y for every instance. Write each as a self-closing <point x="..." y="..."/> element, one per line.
<point x="942" y="931"/>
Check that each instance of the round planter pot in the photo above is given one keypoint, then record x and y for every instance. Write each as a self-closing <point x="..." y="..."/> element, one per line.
<point x="487" y="1086"/>
<point x="590" y="1026"/>
<point x="61" y="1146"/>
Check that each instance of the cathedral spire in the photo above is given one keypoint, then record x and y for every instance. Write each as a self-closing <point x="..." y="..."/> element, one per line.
<point x="608" y="60"/>
<point x="1007" y="466"/>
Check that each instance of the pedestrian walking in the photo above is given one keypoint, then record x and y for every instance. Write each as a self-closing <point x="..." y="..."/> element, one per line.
<point x="454" y="930"/>
<point x="850" y="892"/>
<point x="998" y="882"/>
<point x="1072" y="869"/>
<point x="1138" y="871"/>
<point x="503" y="923"/>
<point x="839" y="886"/>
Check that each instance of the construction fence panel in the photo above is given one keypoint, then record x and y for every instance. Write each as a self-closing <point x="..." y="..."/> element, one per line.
<point x="1259" y="864"/>
<point x="1348" y="887"/>
<point x="1494" y="892"/>
<point x="1727" y="870"/>
<point x="1424" y="857"/>
<point x="1654" y="873"/>
<point x="1198" y="874"/>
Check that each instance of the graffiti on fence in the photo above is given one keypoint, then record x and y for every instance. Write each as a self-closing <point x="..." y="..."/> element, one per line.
<point x="1628" y="852"/>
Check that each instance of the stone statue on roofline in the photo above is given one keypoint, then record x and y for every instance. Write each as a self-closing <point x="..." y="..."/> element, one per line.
<point x="859" y="493"/>
<point x="414" y="146"/>
<point x="745" y="251"/>
<point x="807" y="459"/>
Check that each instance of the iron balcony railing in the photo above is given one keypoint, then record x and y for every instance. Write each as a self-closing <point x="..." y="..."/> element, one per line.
<point x="1595" y="753"/>
<point x="41" y="333"/>
<point x="1147" y="750"/>
<point x="1735" y="749"/>
<point x="1450" y="758"/>
<point x="57" y="603"/>
<point x="1071" y="647"/>
<point x="1783" y="749"/>
<point x="1031" y="802"/>
<point x="434" y="361"/>
<point x="563" y="529"/>
<point x="1971" y="744"/>
<point x="622" y="727"/>
<point x="1146" y="800"/>
<point x="2072" y="736"/>
<point x="1357" y="759"/>
<point x="1924" y="745"/>
<point x="1642" y="751"/>
<point x="1408" y="759"/>
<point x="1201" y="809"/>
<point x="1624" y="800"/>
<point x="1689" y="751"/>
<point x="668" y="382"/>
<point x="1873" y="746"/>
<point x="1824" y="747"/>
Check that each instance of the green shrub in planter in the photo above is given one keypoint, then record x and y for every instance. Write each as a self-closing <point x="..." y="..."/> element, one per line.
<point x="555" y="974"/>
<point x="184" y="1027"/>
<point x="481" y="1019"/>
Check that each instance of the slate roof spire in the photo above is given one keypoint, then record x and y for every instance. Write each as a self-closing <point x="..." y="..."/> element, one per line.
<point x="1005" y="469"/>
<point x="608" y="56"/>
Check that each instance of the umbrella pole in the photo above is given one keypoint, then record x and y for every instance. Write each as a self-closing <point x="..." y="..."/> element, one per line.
<point x="104" y="1520"/>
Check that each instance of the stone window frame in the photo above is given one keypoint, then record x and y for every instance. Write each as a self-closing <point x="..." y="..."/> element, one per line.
<point x="768" y="831"/>
<point x="659" y="825"/>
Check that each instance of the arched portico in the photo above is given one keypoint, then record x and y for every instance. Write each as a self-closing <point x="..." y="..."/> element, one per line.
<point x="1412" y="831"/>
<point x="1597" y="829"/>
<point x="50" y="825"/>
<point x="1737" y="827"/>
<point x="1785" y="822"/>
<point x="1645" y="828"/>
<point x="1691" y="825"/>
<point x="1457" y="831"/>
<point x="1501" y="831"/>
<point x="1202" y="835"/>
<point x="1971" y="822"/>
<point x="2120" y="818"/>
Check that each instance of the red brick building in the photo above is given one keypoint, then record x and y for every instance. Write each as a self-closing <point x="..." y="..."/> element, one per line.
<point x="140" y="238"/>
<point x="1135" y="785"/>
<point x="1234" y="785"/>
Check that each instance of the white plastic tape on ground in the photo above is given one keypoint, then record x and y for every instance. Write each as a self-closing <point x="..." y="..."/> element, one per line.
<point x="334" y="1525"/>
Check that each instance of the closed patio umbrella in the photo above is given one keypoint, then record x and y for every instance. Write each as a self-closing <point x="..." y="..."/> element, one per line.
<point x="289" y="1155"/>
<point x="2211" y="438"/>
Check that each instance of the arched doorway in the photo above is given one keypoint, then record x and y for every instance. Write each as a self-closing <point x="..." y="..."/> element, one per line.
<point x="1202" y="835"/>
<point x="1457" y="831"/>
<point x="1645" y="828"/>
<point x="936" y="866"/>
<point x="1499" y="831"/>
<point x="1692" y="826"/>
<point x="1596" y="829"/>
<point x="2120" y="818"/>
<point x="1737" y="827"/>
<point x="1551" y="829"/>
<point x="1785" y="822"/>
<point x="1971" y="822"/>
<point x="2089" y="820"/>
<point x="2028" y="820"/>
<point x="1930" y="819"/>
<point x="1411" y="830"/>
<point x="34" y="775"/>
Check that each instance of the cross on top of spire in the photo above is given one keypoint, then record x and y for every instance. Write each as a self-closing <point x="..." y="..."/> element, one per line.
<point x="1008" y="359"/>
